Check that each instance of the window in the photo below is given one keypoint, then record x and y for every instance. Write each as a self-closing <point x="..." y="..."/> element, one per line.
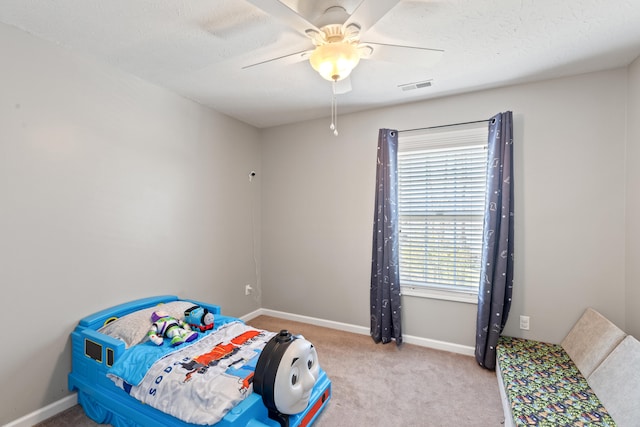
<point x="441" y="197"/>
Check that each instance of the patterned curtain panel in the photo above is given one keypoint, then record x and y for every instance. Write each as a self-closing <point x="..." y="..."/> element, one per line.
<point x="496" y="280"/>
<point x="385" y="272"/>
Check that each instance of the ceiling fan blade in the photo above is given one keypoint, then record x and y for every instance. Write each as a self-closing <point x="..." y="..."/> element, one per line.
<point x="406" y="55"/>
<point x="285" y="15"/>
<point x="342" y="86"/>
<point x="369" y="12"/>
<point x="291" y="58"/>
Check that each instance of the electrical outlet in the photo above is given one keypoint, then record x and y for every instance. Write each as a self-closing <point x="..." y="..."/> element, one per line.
<point x="248" y="289"/>
<point x="524" y="323"/>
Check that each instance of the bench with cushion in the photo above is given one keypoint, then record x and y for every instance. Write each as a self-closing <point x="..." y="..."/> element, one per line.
<point x="591" y="378"/>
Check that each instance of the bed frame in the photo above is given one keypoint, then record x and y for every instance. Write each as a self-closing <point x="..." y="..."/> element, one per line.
<point x="94" y="353"/>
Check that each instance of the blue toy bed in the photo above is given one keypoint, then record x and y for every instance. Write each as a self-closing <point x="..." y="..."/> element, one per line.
<point x="225" y="377"/>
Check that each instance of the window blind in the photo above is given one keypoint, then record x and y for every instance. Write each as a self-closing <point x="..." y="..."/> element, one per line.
<point x="442" y="186"/>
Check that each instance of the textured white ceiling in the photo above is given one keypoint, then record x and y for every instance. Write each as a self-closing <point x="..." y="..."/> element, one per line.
<point x="197" y="48"/>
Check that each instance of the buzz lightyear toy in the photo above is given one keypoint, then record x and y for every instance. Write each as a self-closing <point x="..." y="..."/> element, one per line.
<point x="285" y="375"/>
<point x="170" y="327"/>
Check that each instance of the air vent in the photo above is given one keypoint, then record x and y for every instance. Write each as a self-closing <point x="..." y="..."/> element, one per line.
<point x="415" y="85"/>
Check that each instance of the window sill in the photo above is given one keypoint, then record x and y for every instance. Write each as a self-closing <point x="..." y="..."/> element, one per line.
<point x="414" y="291"/>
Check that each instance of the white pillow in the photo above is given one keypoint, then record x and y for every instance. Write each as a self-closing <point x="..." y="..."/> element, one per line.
<point x="133" y="328"/>
<point x="617" y="382"/>
<point x="590" y="340"/>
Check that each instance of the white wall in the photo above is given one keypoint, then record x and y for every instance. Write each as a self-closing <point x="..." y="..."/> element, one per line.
<point x="633" y="202"/>
<point x="318" y="195"/>
<point x="111" y="189"/>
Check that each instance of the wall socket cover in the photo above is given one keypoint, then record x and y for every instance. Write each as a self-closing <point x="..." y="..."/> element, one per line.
<point x="524" y="323"/>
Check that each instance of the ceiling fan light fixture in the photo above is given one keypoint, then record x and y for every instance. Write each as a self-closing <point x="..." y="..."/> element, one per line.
<point x="335" y="61"/>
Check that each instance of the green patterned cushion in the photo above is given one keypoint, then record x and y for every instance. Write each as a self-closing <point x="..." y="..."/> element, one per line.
<point x="545" y="388"/>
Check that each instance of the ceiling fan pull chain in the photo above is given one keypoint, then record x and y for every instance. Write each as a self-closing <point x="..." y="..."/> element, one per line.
<point x="332" y="126"/>
<point x="334" y="110"/>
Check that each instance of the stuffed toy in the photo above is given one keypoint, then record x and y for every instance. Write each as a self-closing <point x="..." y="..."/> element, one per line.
<point x="199" y="318"/>
<point x="169" y="327"/>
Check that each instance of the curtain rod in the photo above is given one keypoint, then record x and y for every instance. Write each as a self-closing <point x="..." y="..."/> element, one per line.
<point x="444" y="126"/>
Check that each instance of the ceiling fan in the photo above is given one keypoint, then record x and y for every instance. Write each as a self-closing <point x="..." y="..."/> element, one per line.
<point x="338" y="44"/>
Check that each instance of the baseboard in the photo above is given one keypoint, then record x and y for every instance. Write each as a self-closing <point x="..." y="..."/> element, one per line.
<point x="440" y="345"/>
<point x="311" y="320"/>
<point x="409" y="339"/>
<point x="45" y="413"/>
<point x="252" y="315"/>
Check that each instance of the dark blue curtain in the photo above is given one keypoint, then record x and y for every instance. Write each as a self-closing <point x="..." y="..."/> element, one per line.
<point x="385" y="272"/>
<point x="496" y="279"/>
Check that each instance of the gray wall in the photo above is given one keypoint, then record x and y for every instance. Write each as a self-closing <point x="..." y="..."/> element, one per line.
<point x="112" y="189"/>
<point x="633" y="202"/>
<point x="318" y="194"/>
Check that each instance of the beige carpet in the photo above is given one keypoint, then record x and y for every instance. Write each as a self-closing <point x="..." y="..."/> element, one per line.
<point x="383" y="385"/>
